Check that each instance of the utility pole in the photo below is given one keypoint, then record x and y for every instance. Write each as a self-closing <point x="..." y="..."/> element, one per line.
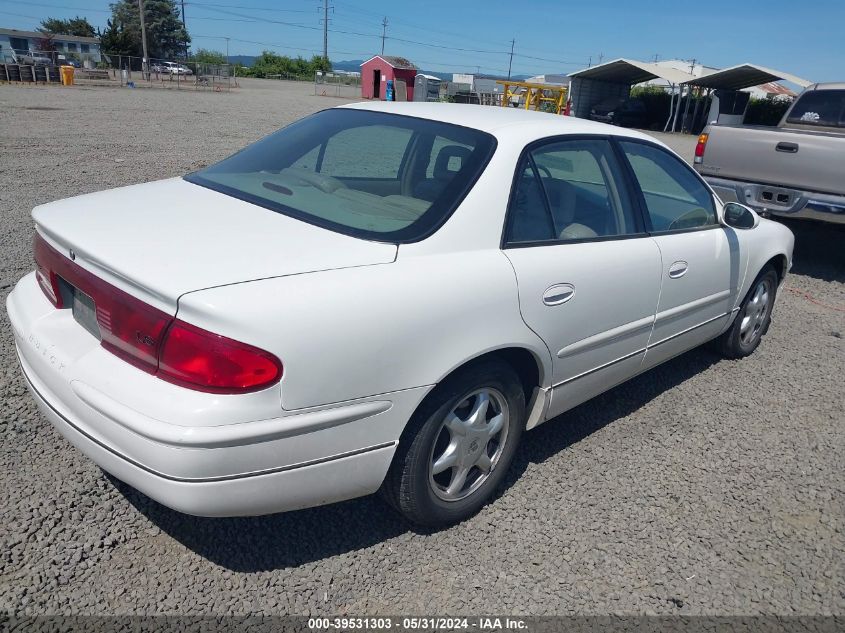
<point x="227" y="50"/>
<point x="510" y="61"/>
<point x="325" y="29"/>
<point x="692" y="66"/>
<point x="590" y="62"/>
<point x="185" y="26"/>
<point x="383" y="33"/>
<point x="601" y="57"/>
<point x="145" y="62"/>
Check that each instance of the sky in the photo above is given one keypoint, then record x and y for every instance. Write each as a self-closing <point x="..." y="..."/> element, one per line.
<point x="802" y="38"/>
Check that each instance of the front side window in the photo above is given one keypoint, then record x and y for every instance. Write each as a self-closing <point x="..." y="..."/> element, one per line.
<point x="368" y="174"/>
<point x="824" y="108"/>
<point x="567" y="191"/>
<point x="675" y="198"/>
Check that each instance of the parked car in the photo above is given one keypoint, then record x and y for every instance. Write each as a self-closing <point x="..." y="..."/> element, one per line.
<point x="34" y="59"/>
<point x="796" y="170"/>
<point x="175" y="69"/>
<point x="63" y="60"/>
<point x="158" y="67"/>
<point x="624" y="112"/>
<point x="321" y="316"/>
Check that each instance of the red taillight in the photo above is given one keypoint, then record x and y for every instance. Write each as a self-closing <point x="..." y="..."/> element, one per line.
<point x="153" y="340"/>
<point x="129" y="327"/>
<point x="198" y="359"/>
<point x="699" y="148"/>
<point x="45" y="257"/>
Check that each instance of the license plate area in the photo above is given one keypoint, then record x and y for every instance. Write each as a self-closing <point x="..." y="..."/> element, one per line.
<point x="82" y="307"/>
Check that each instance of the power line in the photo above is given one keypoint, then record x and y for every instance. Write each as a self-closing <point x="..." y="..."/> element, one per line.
<point x="20" y="15"/>
<point x="57" y="6"/>
<point x="215" y="7"/>
<point x="247" y="6"/>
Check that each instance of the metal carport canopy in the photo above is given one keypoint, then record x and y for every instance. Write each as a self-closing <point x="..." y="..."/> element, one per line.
<point x="743" y="76"/>
<point x="629" y="71"/>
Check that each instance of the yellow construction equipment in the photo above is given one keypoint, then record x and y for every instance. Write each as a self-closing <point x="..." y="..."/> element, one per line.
<point x="535" y="95"/>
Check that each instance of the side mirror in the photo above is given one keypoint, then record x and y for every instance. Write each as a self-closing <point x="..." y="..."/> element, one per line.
<point x="739" y="216"/>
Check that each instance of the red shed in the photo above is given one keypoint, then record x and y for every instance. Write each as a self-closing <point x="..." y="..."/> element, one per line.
<point x="376" y="71"/>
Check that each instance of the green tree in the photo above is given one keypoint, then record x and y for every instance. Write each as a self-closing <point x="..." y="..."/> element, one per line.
<point x="73" y="26"/>
<point x="205" y="56"/>
<point x="318" y="62"/>
<point x="270" y="63"/>
<point x="166" y="37"/>
<point x="118" y="39"/>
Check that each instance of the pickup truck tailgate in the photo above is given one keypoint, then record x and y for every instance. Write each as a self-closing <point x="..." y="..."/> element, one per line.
<point x="776" y="156"/>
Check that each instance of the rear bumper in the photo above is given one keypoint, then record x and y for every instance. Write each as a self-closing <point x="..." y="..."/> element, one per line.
<point x="781" y="201"/>
<point x="195" y="462"/>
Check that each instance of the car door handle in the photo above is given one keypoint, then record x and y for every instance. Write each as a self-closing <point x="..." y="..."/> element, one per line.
<point x="789" y="148"/>
<point x="678" y="269"/>
<point x="557" y="294"/>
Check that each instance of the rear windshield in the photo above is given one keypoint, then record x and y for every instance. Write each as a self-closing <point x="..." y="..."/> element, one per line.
<point x="825" y="108"/>
<point x="368" y="174"/>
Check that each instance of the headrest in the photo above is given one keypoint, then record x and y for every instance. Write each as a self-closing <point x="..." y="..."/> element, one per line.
<point x="444" y="160"/>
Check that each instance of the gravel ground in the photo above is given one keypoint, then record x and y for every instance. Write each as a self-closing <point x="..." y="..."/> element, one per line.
<point x="703" y="487"/>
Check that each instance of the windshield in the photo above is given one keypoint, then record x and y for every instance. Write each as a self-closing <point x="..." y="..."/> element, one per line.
<point x="368" y="174"/>
<point x="819" y="107"/>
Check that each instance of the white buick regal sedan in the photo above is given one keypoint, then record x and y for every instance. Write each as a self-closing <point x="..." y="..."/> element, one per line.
<point x="377" y="297"/>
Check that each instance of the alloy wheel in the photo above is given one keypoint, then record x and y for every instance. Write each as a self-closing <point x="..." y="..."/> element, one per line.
<point x="756" y="311"/>
<point x="469" y="444"/>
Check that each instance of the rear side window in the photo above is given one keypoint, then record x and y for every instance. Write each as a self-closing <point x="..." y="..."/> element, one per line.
<point x="567" y="191"/>
<point x="675" y="198"/>
<point x="825" y="108"/>
<point x="372" y="175"/>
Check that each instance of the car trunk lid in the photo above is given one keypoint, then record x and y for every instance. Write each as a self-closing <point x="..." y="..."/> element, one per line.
<point x="160" y="240"/>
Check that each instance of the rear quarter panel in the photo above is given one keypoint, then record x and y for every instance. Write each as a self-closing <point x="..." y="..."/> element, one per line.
<point x="356" y="332"/>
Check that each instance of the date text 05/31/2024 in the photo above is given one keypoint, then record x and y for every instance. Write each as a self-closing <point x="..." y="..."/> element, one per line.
<point x="348" y="623"/>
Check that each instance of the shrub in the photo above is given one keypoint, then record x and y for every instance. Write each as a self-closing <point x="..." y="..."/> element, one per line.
<point x="656" y="101"/>
<point x="765" y="111"/>
<point x="269" y="63"/>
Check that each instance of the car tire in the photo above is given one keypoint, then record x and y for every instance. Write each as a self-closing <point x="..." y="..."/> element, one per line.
<point x="440" y="475"/>
<point x="753" y="319"/>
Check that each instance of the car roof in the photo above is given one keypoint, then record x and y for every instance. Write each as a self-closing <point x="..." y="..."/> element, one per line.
<point x="498" y="120"/>
<point x="838" y="85"/>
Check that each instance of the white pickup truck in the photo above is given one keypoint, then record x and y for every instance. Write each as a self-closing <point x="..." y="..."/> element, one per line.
<point x="794" y="170"/>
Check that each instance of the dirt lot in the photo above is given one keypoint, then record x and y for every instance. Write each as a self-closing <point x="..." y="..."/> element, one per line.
<point x="703" y="487"/>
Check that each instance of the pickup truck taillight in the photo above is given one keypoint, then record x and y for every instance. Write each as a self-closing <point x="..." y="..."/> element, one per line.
<point x="699" y="148"/>
<point x="152" y="340"/>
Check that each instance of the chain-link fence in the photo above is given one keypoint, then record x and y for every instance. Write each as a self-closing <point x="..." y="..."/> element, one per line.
<point x="132" y="71"/>
<point x="336" y="84"/>
<point x="125" y="70"/>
